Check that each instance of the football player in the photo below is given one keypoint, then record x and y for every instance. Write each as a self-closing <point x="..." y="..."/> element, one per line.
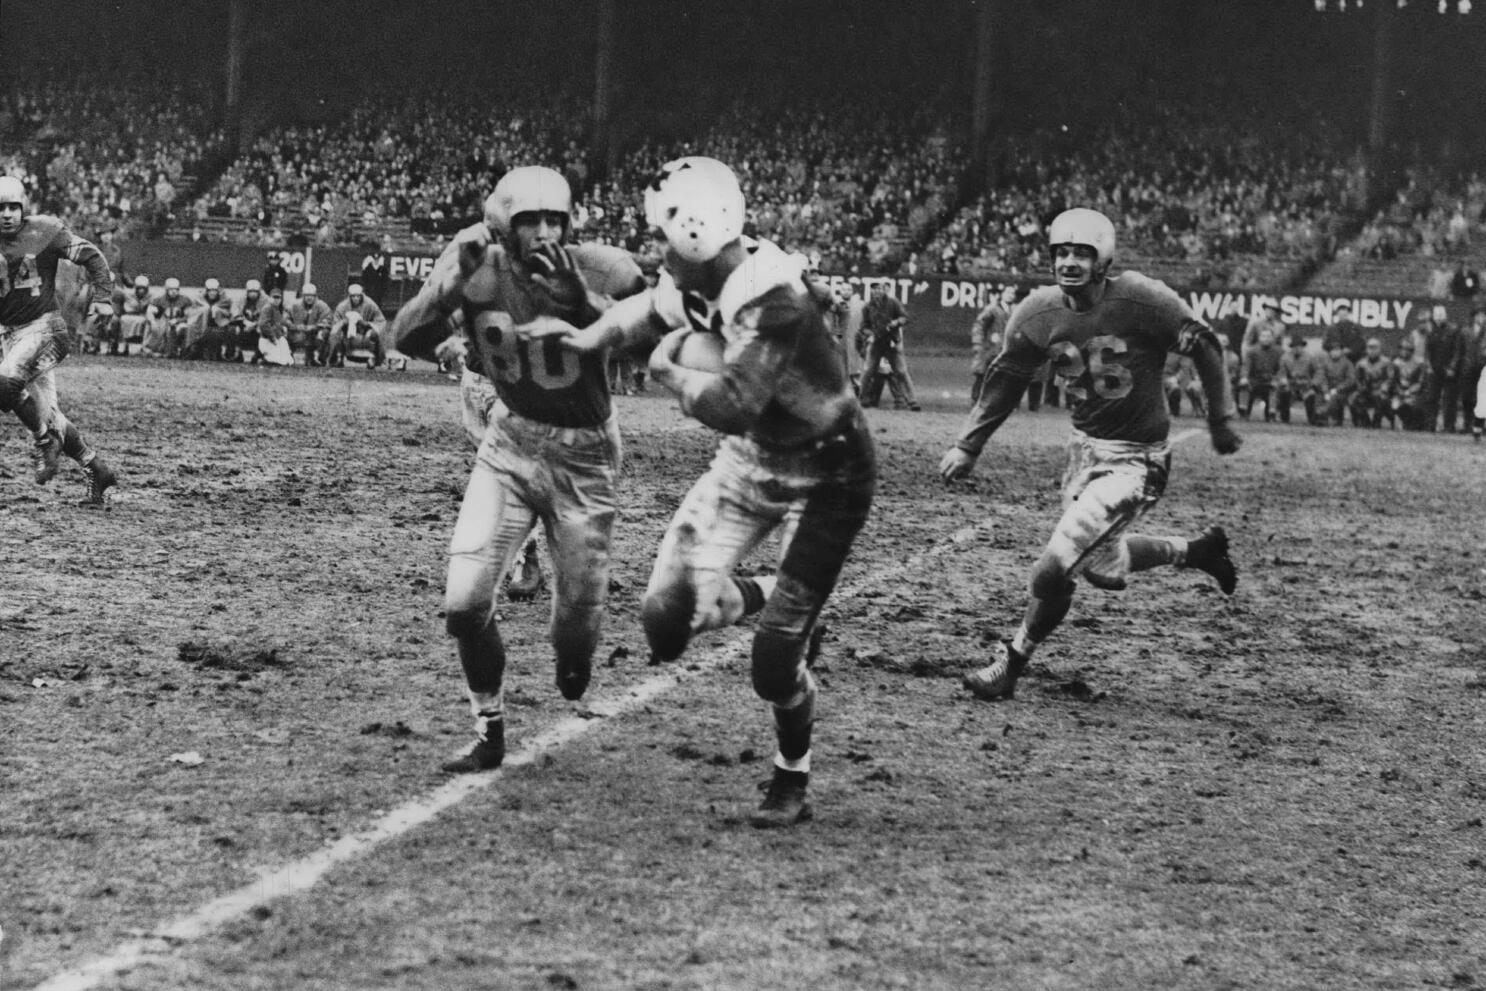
<point x="1108" y="337"/>
<point x="477" y="401"/>
<point x="797" y="455"/>
<point x="35" y="337"/>
<point x="551" y="452"/>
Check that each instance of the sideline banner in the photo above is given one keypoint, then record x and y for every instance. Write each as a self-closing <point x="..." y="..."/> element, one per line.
<point x="940" y="310"/>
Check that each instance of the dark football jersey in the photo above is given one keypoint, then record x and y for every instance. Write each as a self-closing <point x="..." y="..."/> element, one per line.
<point x="540" y="380"/>
<point x="1111" y="356"/>
<point x="28" y="269"/>
<point x="783" y="383"/>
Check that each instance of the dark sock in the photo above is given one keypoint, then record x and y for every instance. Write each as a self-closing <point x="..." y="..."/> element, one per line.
<point x="753" y="596"/>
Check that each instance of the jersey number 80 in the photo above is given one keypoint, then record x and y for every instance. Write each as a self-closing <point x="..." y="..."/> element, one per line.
<point x="547" y="364"/>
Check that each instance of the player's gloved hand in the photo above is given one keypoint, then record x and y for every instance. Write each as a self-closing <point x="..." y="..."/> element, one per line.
<point x="1225" y="440"/>
<point x="558" y="285"/>
<point x="473" y="242"/>
<point x="956" y="463"/>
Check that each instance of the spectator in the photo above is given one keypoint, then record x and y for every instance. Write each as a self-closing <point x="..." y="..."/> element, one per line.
<point x="208" y="329"/>
<point x="1267" y="319"/>
<point x="1372" y="403"/>
<point x="356" y="330"/>
<point x="134" y="312"/>
<point x="1338" y="380"/>
<point x="1465" y="283"/>
<point x="1345" y="331"/>
<point x="309" y="319"/>
<point x="275" y="275"/>
<point x="882" y="327"/>
<point x="1298" y="379"/>
<point x="1261" y="366"/>
<point x="245" y="322"/>
<point x="1410" y="375"/>
<point x="273" y="331"/>
<point x="175" y="310"/>
<point x="986" y="336"/>
<point x="1444" y="350"/>
<point x="1179" y="378"/>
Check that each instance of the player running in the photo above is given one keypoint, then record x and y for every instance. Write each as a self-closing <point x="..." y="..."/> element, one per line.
<point x="477" y="403"/>
<point x="34" y="335"/>
<point x="797" y="454"/>
<point x="552" y="450"/>
<point x="1108" y="337"/>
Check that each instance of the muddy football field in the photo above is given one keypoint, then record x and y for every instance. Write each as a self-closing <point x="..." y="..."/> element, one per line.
<point x="224" y="699"/>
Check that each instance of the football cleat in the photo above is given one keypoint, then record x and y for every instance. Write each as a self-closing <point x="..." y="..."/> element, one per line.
<point x="998" y="679"/>
<point x="526" y="579"/>
<point x="1209" y="553"/>
<point x="45" y="456"/>
<point x="100" y="478"/>
<point x="572" y="677"/>
<point x="485" y="753"/>
<point x="785" y="802"/>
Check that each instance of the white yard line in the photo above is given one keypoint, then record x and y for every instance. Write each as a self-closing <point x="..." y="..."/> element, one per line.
<point x="300" y="875"/>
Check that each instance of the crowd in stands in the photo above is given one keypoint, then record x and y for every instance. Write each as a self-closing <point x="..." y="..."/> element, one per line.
<point x="1180" y="180"/>
<point x="105" y="152"/>
<point x="420" y="160"/>
<point x="861" y="186"/>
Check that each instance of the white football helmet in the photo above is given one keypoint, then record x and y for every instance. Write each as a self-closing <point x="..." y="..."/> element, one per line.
<point x="1086" y="227"/>
<point x="697" y="204"/>
<point x="170" y="283"/>
<point x="12" y="190"/>
<point x="143" y="282"/>
<point x="528" y="189"/>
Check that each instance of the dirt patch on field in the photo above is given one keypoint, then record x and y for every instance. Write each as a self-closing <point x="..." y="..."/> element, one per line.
<point x="1281" y="790"/>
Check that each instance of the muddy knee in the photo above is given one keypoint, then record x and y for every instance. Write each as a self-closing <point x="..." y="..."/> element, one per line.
<point x="1049" y="580"/>
<point x="778" y="668"/>
<point x="464" y="622"/>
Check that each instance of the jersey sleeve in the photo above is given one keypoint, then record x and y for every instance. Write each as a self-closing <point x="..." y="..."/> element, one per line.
<point x="1021" y="353"/>
<point x="83" y="252"/>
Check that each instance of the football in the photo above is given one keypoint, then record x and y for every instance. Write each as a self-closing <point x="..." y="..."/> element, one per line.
<point x="702" y="351"/>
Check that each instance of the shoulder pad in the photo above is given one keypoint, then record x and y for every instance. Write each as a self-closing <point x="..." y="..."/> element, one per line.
<point x="766" y="268"/>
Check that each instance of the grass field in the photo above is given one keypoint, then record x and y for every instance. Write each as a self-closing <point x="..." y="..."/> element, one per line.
<point x="223" y="701"/>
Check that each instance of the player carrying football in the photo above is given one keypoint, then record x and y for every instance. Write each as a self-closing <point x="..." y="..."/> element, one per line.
<point x="34" y="336"/>
<point x="552" y="450"/>
<point x="1108" y="337"/>
<point x="797" y="454"/>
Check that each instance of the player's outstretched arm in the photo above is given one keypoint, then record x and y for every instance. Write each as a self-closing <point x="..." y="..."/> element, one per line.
<point x="998" y="398"/>
<point x="1201" y="344"/>
<point x="624" y="324"/>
